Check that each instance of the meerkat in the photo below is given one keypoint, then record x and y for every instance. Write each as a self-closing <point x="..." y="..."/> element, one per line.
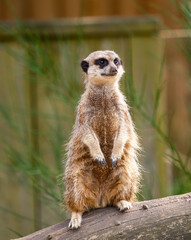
<point x="101" y="167"/>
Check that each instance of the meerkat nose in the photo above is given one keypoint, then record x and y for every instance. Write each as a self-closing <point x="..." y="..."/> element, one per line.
<point x="113" y="70"/>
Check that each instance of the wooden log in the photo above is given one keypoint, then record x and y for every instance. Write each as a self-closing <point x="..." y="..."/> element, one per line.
<point x="164" y="218"/>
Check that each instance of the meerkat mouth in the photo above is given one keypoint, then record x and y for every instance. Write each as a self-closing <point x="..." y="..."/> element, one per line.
<point x="109" y="74"/>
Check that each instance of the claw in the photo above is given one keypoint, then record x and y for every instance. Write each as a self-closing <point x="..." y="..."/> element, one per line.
<point x="114" y="162"/>
<point x="104" y="162"/>
<point x="101" y="161"/>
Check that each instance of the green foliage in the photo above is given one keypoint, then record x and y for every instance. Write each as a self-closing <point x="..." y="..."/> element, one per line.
<point x="29" y="132"/>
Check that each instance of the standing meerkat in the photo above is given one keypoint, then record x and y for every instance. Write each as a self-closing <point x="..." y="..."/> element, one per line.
<point x="101" y="167"/>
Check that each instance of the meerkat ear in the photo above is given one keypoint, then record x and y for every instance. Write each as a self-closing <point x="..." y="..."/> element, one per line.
<point x="121" y="62"/>
<point x="85" y="66"/>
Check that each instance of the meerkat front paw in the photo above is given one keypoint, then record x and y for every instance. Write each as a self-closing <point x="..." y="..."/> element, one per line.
<point x="124" y="205"/>
<point x="114" y="159"/>
<point x="75" y="221"/>
<point x="101" y="160"/>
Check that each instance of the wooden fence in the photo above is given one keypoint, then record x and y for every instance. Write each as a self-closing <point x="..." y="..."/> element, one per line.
<point x="168" y="11"/>
<point x="38" y="99"/>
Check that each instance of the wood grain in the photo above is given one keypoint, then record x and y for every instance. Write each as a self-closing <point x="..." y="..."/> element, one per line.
<point x="164" y="218"/>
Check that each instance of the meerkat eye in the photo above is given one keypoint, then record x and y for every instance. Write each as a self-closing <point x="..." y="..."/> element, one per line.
<point x="116" y="61"/>
<point x="102" y="62"/>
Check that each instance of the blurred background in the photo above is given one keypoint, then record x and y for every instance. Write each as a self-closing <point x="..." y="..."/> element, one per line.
<point x="41" y="46"/>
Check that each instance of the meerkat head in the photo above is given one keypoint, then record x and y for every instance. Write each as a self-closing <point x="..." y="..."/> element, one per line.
<point x="102" y="67"/>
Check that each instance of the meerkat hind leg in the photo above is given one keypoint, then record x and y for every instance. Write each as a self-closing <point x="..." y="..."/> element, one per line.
<point x="124" y="205"/>
<point x="76" y="220"/>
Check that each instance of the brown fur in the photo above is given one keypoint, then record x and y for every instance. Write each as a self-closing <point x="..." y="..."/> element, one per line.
<point x="102" y="115"/>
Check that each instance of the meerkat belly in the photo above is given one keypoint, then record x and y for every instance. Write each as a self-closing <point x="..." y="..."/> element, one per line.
<point x="105" y="124"/>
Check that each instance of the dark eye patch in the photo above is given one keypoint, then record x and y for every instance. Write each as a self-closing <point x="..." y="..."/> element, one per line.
<point x="102" y="62"/>
<point x="116" y="61"/>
